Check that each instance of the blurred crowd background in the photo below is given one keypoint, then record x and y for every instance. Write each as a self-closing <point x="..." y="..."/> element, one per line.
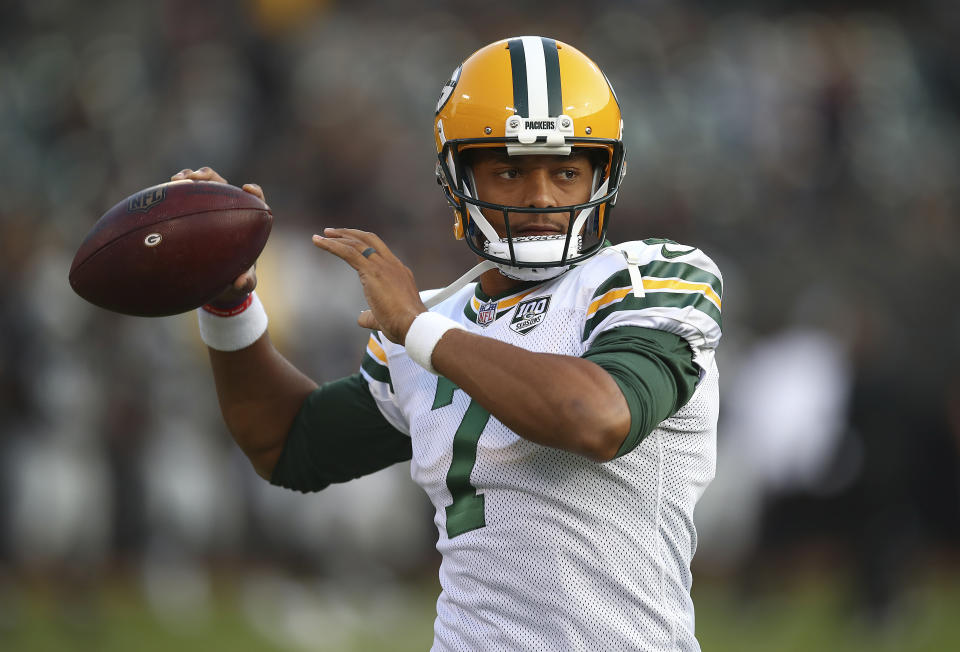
<point x="811" y="148"/>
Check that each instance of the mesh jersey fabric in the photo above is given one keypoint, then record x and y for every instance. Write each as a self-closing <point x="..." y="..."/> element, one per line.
<point x="560" y="552"/>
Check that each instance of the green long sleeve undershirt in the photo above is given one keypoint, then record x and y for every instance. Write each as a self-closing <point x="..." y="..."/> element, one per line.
<point x="340" y="434"/>
<point x="654" y="370"/>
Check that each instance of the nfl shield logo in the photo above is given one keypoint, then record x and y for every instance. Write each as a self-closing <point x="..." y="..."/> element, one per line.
<point x="144" y="201"/>
<point x="487" y="313"/>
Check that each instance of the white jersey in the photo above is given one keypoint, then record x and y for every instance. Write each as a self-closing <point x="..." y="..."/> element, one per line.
<point x="544" y="549"/>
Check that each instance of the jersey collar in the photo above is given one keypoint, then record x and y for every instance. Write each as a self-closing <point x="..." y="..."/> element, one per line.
<point x="504" y="302"/>
<point x="492" y="308"/>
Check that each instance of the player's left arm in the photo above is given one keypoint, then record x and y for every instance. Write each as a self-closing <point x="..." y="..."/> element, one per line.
<point x="566" y="402"/>
<point x="600" y="406"/>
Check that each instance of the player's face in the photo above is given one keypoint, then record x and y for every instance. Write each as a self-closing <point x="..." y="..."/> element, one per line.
<point x="538" y="181"/>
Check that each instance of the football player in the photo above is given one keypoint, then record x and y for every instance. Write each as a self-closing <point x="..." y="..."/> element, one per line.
<point x="560" y="411"/>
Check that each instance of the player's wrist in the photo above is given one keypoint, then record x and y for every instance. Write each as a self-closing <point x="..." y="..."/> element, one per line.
<point x="424" y="334"/>
<point x="231" y="328"/>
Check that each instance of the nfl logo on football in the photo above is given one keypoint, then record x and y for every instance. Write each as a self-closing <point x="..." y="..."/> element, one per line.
<point x="487" y="313"/>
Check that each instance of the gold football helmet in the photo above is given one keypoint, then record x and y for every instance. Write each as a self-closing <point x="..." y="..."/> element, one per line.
<point x="529" y="95"/>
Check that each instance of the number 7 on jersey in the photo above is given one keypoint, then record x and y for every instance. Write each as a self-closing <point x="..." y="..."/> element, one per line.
<point x="466" y="512"/>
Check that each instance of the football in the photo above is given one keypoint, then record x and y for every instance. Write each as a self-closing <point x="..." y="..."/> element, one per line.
<point x="170" y="248"/>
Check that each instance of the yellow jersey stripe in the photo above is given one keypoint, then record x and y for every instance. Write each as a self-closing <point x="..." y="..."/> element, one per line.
<point x="503" y="304"/>
<point x="373" y="346"/>
<point x="654" y="284"/>
<point x="610" y="297"/>
<point x="509" y="303"/>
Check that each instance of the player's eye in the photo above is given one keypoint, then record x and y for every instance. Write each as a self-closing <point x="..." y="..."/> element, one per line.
<point x="568" y="174"/>
<point x="508" y="173"/>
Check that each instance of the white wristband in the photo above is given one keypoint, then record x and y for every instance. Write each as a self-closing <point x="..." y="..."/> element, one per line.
<point x="423" y="335"/>
<point x="232" y="333"/>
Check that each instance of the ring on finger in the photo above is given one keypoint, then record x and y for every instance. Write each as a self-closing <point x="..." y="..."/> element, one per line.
<point x="369" y="251"/>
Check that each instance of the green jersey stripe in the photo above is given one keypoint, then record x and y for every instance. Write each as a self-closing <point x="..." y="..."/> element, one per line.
<point x="469" y="313"/>
<point x="654" y="300"/>
<point x="376" y="370"/>
<point x="619" y="280"/>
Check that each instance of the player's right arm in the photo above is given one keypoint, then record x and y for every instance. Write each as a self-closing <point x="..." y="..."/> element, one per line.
<point x="260" y="392"/>
<point x="298" y="435"/>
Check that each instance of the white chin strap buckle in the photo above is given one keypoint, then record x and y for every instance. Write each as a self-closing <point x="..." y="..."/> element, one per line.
<point x="545" y="249"/>
<point x="539" y="135"/>
<point x="534" y="248"/>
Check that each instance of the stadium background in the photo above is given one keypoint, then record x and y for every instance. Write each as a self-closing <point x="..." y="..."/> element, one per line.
<point x="812" y="148"/>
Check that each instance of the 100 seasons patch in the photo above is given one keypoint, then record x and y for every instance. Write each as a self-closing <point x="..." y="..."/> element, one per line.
<point x="529" y="314"/>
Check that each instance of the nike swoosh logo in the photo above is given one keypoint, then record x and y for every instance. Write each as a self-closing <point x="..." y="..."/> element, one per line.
<point x="666" y="253"/>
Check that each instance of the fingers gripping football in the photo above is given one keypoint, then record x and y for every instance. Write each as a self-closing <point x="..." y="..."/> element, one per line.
<point x="246" y="282"/>
<point x="388" y="284"/>
<point x="201" y="174"/>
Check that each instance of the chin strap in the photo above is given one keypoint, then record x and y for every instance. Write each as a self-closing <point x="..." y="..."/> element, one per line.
<point x="451" y="289"/>
<point x="488" y="231"/>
